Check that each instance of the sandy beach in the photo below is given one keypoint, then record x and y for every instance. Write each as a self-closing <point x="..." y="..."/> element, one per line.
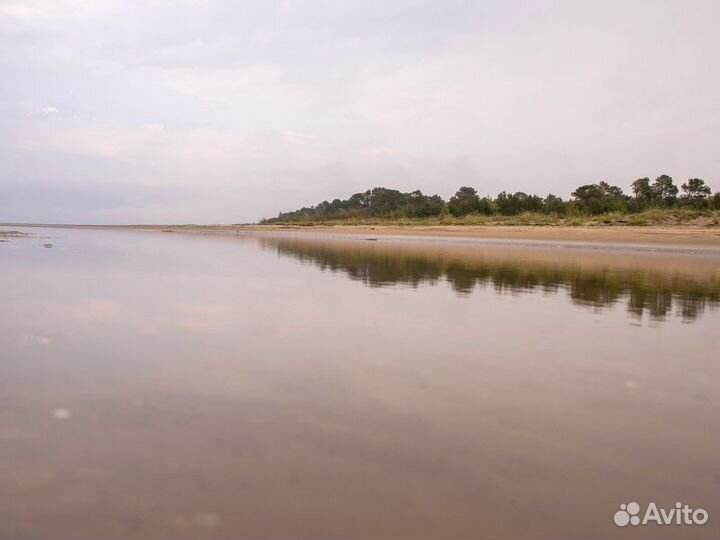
<point x="690" y="236"/>
<point x="678" y="236"/>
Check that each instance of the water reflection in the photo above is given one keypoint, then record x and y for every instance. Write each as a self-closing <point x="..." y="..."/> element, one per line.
<point x="653" y="284"/>
<point x="181" y="386"/>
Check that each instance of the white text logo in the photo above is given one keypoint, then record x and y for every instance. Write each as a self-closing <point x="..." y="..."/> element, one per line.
<point x="681" y="514"/>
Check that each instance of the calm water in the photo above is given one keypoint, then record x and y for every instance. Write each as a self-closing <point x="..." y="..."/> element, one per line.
<point x="170" y="386"/>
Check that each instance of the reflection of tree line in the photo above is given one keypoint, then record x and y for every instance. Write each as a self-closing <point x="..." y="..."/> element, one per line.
<point x="654" y="293"/>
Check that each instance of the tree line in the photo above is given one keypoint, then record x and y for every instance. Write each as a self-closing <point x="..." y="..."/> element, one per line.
<point x="590" y="199"/>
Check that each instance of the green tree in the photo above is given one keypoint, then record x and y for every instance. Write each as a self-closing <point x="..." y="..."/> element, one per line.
<point x="515" y="203"/>
<point x="552" y="204"/>
<point x="505" y="204"/>
<point x="641" y="189"/>
<point x="599" y="198"/>
<point x="714" y="201"/>
<point x="695" y="188"/>
<point x="384" y="201"/>
<point x="359" y="201"/>
<point x="531" y="203"/>
<point x="486" y="206"/>
<point x="419" y="205"/>
<point x="589" y="198"/>
<point x="464" y="201"/>
<point x="664" y="189"/>
<point x="609" y="191"/>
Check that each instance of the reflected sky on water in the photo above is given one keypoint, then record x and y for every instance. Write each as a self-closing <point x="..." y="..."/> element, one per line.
<point x="158" y="385"/>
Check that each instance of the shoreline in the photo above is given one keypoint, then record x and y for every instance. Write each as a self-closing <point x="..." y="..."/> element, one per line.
<point x="677" y="236"/>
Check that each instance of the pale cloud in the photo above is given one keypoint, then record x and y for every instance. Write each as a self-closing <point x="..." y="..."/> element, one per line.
<point x="23" y="13"/>
<point x="32" y="111"/>
<point x="90" y="137"/>
<point x="297" y="137"/>
<point x="40" y="17"/>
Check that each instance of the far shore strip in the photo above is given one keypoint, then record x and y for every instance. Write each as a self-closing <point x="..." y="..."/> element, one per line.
<point x="675" y="235"/>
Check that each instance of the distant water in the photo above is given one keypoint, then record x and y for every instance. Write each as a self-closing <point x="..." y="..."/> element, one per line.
<point x="157" y="385"/>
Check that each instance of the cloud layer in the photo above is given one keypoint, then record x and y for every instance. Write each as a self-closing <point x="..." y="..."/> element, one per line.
<point x="209" y="111"/>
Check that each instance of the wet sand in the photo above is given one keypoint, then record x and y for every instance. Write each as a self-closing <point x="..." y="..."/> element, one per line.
<point x="9" y="235"/>
<point x="679" y="235"/>
<point x="695" y="236"/>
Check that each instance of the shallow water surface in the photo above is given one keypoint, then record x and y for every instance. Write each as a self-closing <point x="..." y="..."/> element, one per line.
<point x="176" y="386"/>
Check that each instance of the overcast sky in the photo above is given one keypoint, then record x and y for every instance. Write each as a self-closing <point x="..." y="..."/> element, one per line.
<point x="209" y="111"/>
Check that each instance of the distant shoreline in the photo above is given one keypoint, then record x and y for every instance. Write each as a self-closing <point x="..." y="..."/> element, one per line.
<point x="674" y="235"/>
